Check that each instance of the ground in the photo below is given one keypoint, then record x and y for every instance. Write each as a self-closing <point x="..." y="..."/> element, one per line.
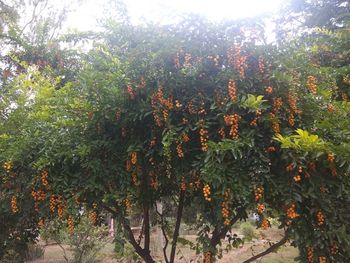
<point x="286" y="254"/>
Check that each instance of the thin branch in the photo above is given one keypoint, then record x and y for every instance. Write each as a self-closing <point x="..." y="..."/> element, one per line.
<point x="164" y="235"/>
<point x="147" y="227"/>
<point x="141" y="232"/>
<point x="145" y="254"/>
<point x="217" y="236"/>
<point x="269" y="250"/>
<point x="177" y="225"/>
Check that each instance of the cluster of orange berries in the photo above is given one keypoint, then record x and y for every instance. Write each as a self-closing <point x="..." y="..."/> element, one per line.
<point x="232" y="91"/>
<point x="93" y="216"/>
<point x="271" y="149"/>
<point x="224" y="208"/>
<point x="127" y="204"/>
<point x="184" y="137"/>
<point x="207" y="193"/>
<point x="254" y="122"/>
<point x="330" y="108"/>
<point x="274" y="123"/>
<point x="133" y="158"/>
<point x="277" y="104"/>
<point x="330" y="157"/>
<point x="52" y="203"/>
<point x="260" y="208"/>
<point x="154" y="180"/>
<point x="39" y="195"/>
<point x="187" y="58"/>
<point x="183" y="184"/>
<point x="134" y="177"/>
<point x="222" y="133"/>
<point x="203" y="133"/>
<point x="311" y="84"/>
<point x="131" y="92"/>
<point x="322" y="259"/>
<point x="60" y="206"/>
<point x="265" y="224"/>
<point x="310" y="254"/>
<point x="44" y="175"/>
<point x="292" y="101"/>
<point x="291" y="119"/>
<point x="7" y="166"/>
<point x="291" y="213"/>
<point x="290" y="167"/>
<point x="178" y="104"/>
<point x="215" y="59"/>
<point x="179" y="150"/>
<point x="269" y="90"/>
<point x="334" y="171"/>
<point x="320" y="218"/>
<point x="237" y="60"/>
<point x="297" y="178"/>
<point x="207" y="257"/>
<point x="70" y="223"/>
<point x="41" y="223"/>
<point x="258" y="192"/>
<point x="233" y="120"/>
<point x="14" y="206"/>
<point x="261" y="65"/>
<point x="334" y="248"/>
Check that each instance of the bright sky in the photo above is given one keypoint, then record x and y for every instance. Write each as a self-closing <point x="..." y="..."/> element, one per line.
<point x="164" y="10"/>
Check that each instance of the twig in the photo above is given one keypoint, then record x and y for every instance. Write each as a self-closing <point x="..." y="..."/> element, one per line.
<point x="165" y="236"/>
<point x="272" y="248"/>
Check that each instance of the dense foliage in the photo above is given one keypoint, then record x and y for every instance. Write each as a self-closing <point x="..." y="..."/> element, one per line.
<point x="200" y="112"/>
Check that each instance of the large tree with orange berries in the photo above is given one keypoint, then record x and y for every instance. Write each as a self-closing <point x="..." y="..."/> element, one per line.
<point x="198" y="112"/>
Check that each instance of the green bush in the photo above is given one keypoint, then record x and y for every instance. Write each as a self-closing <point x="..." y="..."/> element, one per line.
<point x="248" y="231"/>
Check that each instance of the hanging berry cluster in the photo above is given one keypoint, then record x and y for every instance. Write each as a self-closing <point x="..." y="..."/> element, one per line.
<point x="265" y="224"/>
<point x="207" y="257"/>
<point x="203" y="135"/>
<point x="44" y="176"/>
<point x="233" y="121"/>
<point x="7" y="166"/>
<point x="237" y="60"/>
<point x="225" y="208"/>
<point x="320" y="218"/>
<point x="292" y="102"/>
<point x="310" y="254"/>
<point x="232" y="90"/>
<point x="161" y="107"/>
<point x="311" y="84"/>
<point x="70" y="223"/>
<point x="254" y="122"/>
<point x="258" y="192"/>
<point x="297" y="178"/>
<point x="14" y="207"/>
<point x="207" y="193"/>
<point x="291" y="212"/>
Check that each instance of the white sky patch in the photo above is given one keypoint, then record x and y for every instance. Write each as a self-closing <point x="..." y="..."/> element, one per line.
<point x="163" y="11"/>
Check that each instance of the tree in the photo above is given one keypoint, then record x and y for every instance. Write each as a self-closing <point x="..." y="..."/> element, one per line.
<point x="196" y="112"/>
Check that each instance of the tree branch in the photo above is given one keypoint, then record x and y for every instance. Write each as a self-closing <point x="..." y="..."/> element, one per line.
<point x="269" y="250"/>
<point x="177" y="225"/>
<point x="218" y="235"/>
<point x="165" y="236"/>
<point x="147" y="227"/>
<point x="145" y="254"/>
